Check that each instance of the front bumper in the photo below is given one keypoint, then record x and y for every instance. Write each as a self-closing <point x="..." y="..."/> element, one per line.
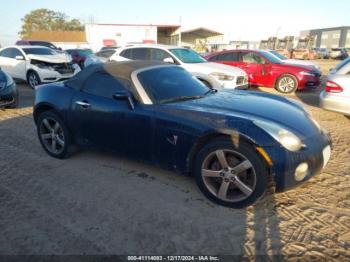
<point x="8" y="95"/>
<point x="240" y="82"/>
<point x="335" y="102"/>
<point x="286" y="162"/>
<point x="308" y="81"/>
<point x="48" y="76"/>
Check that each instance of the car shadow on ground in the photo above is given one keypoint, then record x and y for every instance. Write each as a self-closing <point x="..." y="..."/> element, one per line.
<point x="26" y="94"/>
<point x="97" y="202"/>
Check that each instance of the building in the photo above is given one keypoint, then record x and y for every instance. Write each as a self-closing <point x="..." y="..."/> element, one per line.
<point x="329" y="37"/>
<point x="244" y="44"/>
<point x="63" y="39"/>
<point x="200" y="39"/>
<point x="99" y="35"/>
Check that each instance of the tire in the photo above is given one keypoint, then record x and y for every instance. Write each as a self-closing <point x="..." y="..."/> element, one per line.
<point x="33" y="79"/>
<point x="212" y="178"/>
<point x="287" y="87"/>
<point x="48" y="131"/>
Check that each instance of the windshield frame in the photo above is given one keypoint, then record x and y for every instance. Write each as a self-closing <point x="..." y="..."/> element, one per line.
<point x="201" y="59"/>
<point x="270" y="57"/>
<point x="278" y="55"/>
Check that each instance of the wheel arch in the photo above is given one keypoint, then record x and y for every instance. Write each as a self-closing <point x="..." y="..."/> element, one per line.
<point x="29" y="71"/>
<point x="235" y="136"/>
<point x="43" y="107"/>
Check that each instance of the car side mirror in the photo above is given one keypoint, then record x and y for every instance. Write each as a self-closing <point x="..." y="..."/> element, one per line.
<point x="125" y="95"/>
<point x="169" y="60"/>
<point x="19" y="57"/>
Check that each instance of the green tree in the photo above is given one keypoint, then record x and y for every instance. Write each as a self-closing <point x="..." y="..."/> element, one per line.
<point x="48" y="20"/>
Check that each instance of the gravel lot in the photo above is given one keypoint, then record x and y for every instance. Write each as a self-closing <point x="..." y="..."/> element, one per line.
<point x="99" y="203"/>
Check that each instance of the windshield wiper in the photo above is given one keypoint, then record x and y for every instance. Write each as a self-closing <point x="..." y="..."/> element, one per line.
<point x="211" y="91"/>
<point x="179" y="98"/>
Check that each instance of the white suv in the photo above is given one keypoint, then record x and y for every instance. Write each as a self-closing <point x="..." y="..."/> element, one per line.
<point x="36" y="64"/>
<point x="211" y="74"/>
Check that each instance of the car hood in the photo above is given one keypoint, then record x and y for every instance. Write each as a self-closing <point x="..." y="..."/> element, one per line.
<point x="209" y="67"/>
<point x="58" y="58"/>
<point x="254" y="106"/>
<point x="298" y="67"/>
<point x="301" y="62"/>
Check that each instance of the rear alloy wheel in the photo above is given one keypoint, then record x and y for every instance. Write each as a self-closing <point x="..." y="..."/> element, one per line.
<point x="53" y="134"/>
<point x="33" y="79"/>
<point x="230" y="176"/>
<point x="286" y="84"/>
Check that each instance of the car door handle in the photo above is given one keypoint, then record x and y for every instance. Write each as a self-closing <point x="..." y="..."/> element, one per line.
<point x="83" y="104"/>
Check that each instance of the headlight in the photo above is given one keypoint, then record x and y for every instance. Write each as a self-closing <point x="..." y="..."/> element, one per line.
<point x="307" y="73"/>
<point x="222" y="77"/>
<point x="285" y="137"/>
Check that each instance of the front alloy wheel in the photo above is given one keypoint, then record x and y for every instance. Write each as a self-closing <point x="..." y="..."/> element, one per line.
<point x="231" y="176"/>
<point x="286" y="84"/>
<point x="33" y="79"/>
<point x="53" y="134"/>
<point x="228" y="175"/>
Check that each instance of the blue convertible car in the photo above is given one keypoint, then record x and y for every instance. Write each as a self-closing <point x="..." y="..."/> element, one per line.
<point x="231" y="141"/>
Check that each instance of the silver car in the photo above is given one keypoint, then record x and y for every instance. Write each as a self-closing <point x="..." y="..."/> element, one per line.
<point x="336" y="96"/>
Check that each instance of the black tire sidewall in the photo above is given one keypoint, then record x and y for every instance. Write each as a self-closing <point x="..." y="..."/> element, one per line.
<point x="250" y="153"/>
<point x="67" y="136"/>
<point x="287" y="92"/>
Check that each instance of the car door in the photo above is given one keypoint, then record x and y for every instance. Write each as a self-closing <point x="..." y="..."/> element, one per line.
<point x="159" y="55"/>
<point x="101" y="120"/>
<point x="14" y="67"/>
<point x="255" y="66"/>
<point x="228" y="58"/>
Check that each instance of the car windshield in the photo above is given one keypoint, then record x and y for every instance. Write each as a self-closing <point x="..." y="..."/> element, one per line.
<point x="39" y="51"/>
<point x="187" y="56"/>
<point x="275" y="53"/>
<point x="171" y="84"/>
<point x="270" y="57"/>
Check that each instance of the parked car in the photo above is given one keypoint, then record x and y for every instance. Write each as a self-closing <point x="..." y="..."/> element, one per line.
<point x="106" y="53"/>
<point x="36" y="64"/>
<point x="8" y="91"/>
<point x="210" y="74"/>
<point x="338" y="53"/>
<point x="265" y="69"/>
<point x="336" y="95"/>
<point x="321" y="53"/>
<point x="79" y="55"/>
<point x="109" y="48"/>
<point x="37" y="43"/>
<point x="231" y="140"/>
<point x="295" y="61"/>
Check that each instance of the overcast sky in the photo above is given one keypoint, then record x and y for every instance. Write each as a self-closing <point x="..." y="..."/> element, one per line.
<point x="239" y="20"/>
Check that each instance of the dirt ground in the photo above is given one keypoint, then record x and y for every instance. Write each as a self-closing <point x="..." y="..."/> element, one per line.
<point x="99" y="203"/>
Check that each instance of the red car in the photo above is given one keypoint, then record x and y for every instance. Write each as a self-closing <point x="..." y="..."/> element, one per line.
<point x="264" y="69"/>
